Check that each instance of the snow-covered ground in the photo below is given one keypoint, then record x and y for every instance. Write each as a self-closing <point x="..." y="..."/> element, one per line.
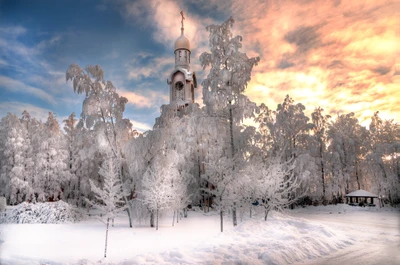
<point x="376" y="232"/>
<point x="313" y="235"/>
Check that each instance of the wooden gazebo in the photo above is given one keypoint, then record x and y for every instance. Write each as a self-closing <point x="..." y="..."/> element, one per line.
<point x="360" y="196"/>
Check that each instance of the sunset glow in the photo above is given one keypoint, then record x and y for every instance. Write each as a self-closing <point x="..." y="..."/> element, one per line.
<point x="340" y="55"/>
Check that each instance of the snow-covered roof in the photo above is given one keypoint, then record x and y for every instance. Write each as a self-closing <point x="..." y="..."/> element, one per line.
<point x="190" y="76"/>
<point x="361" y="193"/>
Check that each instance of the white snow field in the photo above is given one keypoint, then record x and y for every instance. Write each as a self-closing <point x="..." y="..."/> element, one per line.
<point x="311" y="235"/>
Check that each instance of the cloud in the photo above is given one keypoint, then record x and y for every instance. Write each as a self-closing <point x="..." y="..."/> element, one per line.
<point x="163" y="16"/>
<point x="383" y="70"/>
<point x="145" y="99"/>
<point x="3" y="63"/>
<point x="18" y="107"/>
<point x="140" y="126"/>
<point x="150" y="67"/>
<point x="20" y="87"/>
<point x="13" y="31"/>
<point x="305" y="38"/>
<point x="338" y="55"/>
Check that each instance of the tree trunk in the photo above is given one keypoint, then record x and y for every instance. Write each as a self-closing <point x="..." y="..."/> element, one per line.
<point x="266" y="214"/>
<point x="222" y="220"/>
<point x="357" y="177"/>
<point x="119" y="169"/>
<point x="208" y="203"/>
<point x="250" y="211"/>
<point x="173" y="219"/>
<point x="322" y="169"/>
<point x="105" y="249"/>
<point x="157" y="219"/>
<point x="177" y="217"/>
<point x="151" y="219"/>
<point x="234" y="217"/>
<point x="128" y="210"/>
<point x="185" y="212"/>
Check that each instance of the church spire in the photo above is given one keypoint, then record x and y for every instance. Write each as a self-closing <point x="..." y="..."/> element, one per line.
<point x="182" y="45"/>
<point x="182" y="80"/>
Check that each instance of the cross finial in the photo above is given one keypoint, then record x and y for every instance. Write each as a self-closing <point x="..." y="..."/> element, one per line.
<point x="183" y="17"/>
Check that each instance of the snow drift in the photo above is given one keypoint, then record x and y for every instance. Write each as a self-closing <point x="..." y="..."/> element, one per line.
<point x="281" y="240"/>
<point x="42" y="213"/>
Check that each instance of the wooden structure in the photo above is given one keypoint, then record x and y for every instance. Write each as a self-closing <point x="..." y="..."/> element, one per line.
<point x="360" y="196"/>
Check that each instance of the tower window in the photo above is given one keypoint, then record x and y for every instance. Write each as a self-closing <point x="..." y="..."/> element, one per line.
<point x="179" y="91"/>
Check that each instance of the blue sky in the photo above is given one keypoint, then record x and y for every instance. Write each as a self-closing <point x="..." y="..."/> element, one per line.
<point x="305" y="52"/>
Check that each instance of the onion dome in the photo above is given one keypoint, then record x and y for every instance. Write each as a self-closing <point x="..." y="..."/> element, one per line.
<point x="182" y="43"/>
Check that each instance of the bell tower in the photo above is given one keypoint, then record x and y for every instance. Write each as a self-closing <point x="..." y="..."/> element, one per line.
<point x="182" y="81"/>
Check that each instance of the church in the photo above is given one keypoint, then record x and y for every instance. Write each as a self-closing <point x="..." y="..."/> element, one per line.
<point x="182" y="81"/>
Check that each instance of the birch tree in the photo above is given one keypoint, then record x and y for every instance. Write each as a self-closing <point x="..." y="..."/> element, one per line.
<point x="102" y="111"/>
<point x="230" y="72"/>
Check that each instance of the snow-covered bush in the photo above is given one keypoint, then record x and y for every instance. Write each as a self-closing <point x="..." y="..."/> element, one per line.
<point x="42" y="213"/>
<point x="3" y="204"/>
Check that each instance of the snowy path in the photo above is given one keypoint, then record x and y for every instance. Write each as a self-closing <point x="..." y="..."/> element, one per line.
<point x="377" y="236"/>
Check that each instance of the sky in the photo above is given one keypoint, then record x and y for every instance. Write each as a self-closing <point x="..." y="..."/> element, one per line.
<point x="343" y="56"/>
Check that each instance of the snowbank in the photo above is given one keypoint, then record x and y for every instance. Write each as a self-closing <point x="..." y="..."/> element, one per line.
<point x="41" y="213"/>
<point x="280" y="240"/>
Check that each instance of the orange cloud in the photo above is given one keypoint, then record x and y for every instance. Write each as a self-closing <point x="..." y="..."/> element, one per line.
<point x="144" y="99"/>
<point x="339" y="54"/>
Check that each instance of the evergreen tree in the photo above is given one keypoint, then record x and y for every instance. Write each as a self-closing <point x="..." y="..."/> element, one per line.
<point x="109" y="200"/>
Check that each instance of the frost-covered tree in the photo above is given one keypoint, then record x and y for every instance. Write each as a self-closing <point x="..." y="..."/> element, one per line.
<point x="51" y="163"/>
<point x="346" y="138"/>
<point x="273" y="181"/>
<point x="383" y="160"/>
<point x="158" y="183"/>
<point x="219" y="174"/>
<point x="320" y="126"/>
<point x="12" y="173"/>
<point x="230" y="72"/>
<point x="292" y="125"/>
<point x="285" y="133"/>
<point x="102" y="112"/>
<point x="28" y="124"/>
<point x="70" y="134"/>
<point x="109" y="199"/>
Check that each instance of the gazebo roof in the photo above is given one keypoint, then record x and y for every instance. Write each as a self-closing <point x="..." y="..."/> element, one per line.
<point x="361" y="193"/>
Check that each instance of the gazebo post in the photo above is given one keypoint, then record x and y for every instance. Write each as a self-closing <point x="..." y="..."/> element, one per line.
<point x="372" y="200"/>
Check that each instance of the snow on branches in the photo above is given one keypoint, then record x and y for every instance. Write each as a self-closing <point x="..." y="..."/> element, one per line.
<point x="109" y="199"/>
